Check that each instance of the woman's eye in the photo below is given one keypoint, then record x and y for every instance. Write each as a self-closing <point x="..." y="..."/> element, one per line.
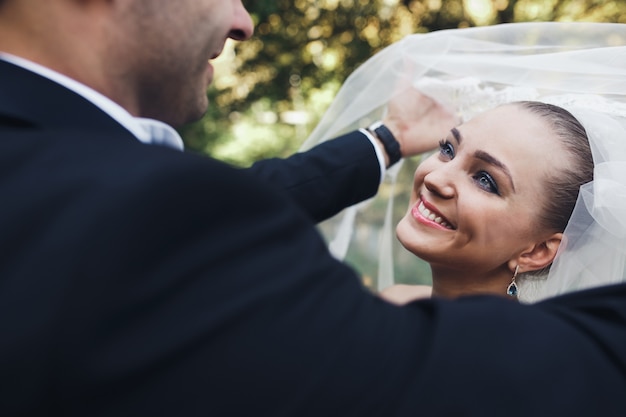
<point x="446" y="149"/>
<point x="486" y="182"/>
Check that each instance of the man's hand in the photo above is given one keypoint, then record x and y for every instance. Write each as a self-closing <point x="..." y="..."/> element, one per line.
<point x="418" y="122"/>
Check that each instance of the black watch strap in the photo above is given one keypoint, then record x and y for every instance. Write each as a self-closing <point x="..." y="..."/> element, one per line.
<point x="391" y="144"/>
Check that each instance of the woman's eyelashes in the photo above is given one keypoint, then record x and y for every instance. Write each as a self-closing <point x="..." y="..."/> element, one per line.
<point x="486" y="182"/>
<point x="446" y="149"/>
<point x="482" y="178"/>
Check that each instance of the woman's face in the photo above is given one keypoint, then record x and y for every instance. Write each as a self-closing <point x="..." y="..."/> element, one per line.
<point x="475" y="203"/>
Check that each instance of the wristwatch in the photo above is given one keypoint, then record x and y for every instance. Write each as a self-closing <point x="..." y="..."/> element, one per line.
<point x="390" y="143"/>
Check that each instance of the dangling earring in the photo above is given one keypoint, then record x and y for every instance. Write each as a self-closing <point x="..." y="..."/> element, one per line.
<point x="511" y="290"/>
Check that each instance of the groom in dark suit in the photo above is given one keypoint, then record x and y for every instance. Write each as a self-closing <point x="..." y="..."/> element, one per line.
<point x="138" y="280"/>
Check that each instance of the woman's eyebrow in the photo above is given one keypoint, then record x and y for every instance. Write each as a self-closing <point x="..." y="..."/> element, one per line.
<point x="457" y="135"/>
<point x="491" y="160"/>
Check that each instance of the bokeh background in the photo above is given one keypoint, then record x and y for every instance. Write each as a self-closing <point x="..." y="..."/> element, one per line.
<point x="269" y="92"/>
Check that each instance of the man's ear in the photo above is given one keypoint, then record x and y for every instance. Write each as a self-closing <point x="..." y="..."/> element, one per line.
<point x="539" y="255"/>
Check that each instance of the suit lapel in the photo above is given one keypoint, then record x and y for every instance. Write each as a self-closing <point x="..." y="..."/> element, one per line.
<point x="30" y="100"/>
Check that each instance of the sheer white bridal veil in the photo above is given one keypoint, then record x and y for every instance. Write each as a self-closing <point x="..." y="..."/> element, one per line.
<point x="579" y="66"/>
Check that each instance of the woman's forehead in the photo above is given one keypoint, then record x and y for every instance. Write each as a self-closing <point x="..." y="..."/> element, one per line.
<point x="521" y="140"/>
<point x="509" y="123"/>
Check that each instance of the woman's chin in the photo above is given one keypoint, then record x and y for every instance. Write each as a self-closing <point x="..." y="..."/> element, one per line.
<point x="407" y="232"/>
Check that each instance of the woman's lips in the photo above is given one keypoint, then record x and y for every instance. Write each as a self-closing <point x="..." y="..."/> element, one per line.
<point x="429" y="216"/>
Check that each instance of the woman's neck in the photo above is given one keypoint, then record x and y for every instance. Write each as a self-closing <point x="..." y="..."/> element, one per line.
<point x="454" y="283"/>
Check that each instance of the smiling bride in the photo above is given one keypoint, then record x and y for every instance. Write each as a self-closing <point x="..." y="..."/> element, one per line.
<point x="526" y="199"/>
<point x="494" y="201"/>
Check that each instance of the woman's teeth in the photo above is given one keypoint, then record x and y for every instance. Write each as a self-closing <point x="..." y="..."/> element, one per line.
<point x="431" y="216"/>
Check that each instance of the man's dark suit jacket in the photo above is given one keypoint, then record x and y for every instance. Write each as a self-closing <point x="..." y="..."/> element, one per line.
<point x="136" y="280"/>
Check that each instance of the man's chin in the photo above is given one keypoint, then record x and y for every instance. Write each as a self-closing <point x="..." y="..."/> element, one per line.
<point x="191" y="115"/>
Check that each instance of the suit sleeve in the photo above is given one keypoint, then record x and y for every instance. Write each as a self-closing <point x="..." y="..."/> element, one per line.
<point x="328" y="178"/>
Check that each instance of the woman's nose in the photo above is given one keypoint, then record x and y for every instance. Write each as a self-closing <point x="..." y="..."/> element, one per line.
<point x="440" y="182"/>
<point x="243" y="27"/>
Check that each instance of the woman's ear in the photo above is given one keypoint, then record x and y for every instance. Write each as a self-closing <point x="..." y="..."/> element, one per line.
<point x="539" y="255"/>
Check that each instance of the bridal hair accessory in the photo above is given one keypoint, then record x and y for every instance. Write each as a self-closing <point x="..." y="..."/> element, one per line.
<point x="580" y="66"/>
<point x="512" y="289"/>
